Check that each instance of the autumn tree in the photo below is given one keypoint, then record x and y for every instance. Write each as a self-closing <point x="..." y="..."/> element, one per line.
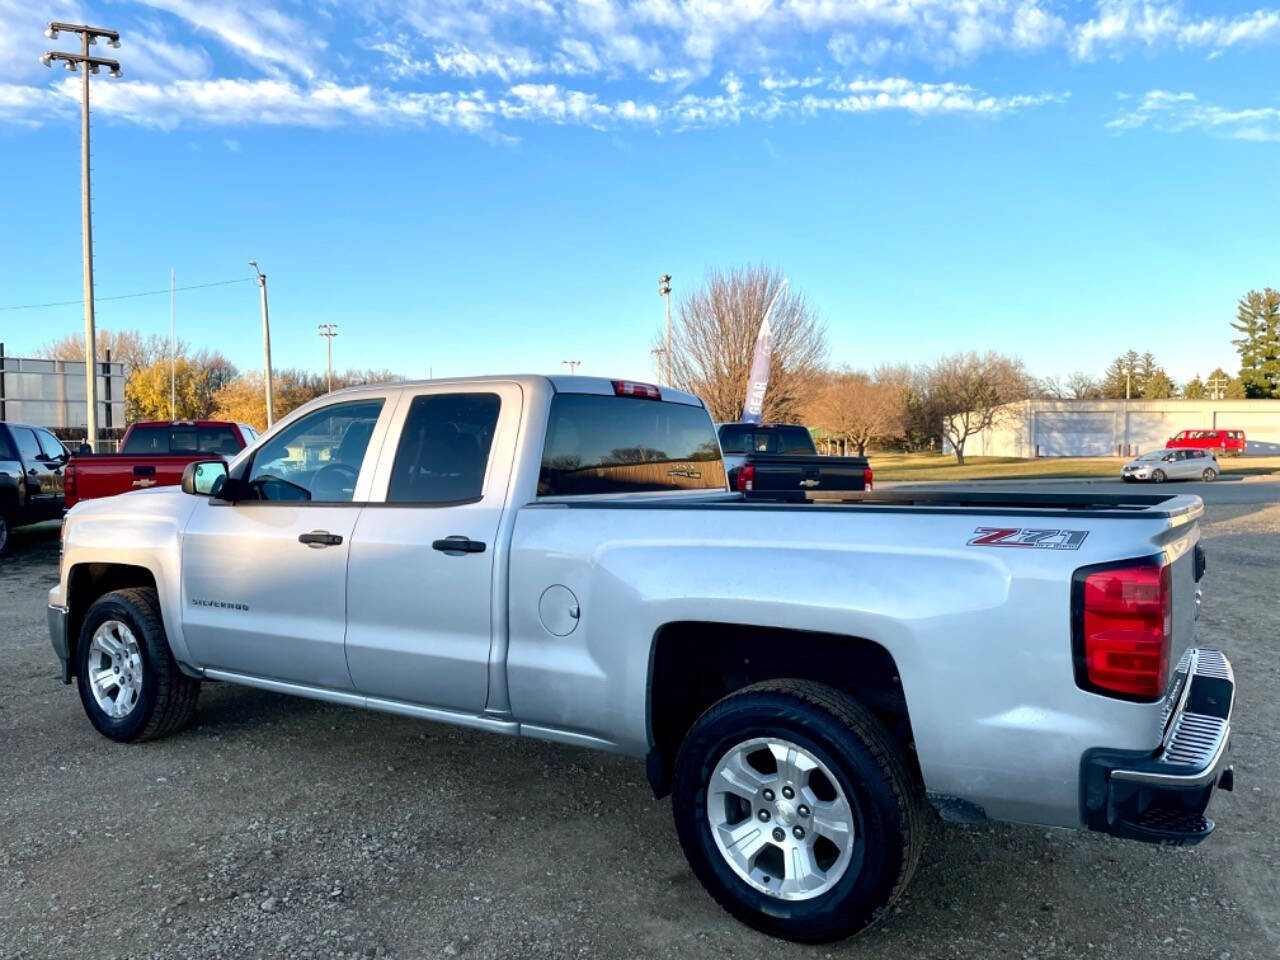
<point x="713" y="340"/>
<point x="856" y="408"/>
<point x="190" y="382"/>
<point x="244" y="399"/>
<point x="968" y="393"/>
<point x="1258" y="323"/>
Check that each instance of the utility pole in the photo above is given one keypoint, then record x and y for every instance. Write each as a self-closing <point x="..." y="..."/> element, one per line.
<point x="266" y="344"/>
<point x="329" y="331"/>
<point x="660" y="360"/>
<point x="664" y="290"/>
<point x="87" y="65"/>
<point x="572" y="365"/>
<point x="1219" y="387"/>
<point x="173" y="358"/>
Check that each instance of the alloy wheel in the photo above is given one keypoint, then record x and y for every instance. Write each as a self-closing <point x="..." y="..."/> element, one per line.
<point x="780" y="818"/>
<point x="115" y="669"/>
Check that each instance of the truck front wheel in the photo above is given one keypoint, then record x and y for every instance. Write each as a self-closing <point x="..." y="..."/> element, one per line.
<point x="797" y="811"/>
<point x="129" y="683"/>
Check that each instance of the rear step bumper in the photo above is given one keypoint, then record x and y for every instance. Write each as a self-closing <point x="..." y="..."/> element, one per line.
<point x="1161" y="797"/>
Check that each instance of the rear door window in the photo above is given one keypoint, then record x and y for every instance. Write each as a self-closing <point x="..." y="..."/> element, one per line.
<point x="444" y="449"/>
<point x="28" y="446"/>
<point x="610" y="445"/>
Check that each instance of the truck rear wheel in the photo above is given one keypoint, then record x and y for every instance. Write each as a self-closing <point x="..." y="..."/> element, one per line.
<point x="797" y="811"/>
<point x="4" y="532"/>
<point x="129" y="683"/>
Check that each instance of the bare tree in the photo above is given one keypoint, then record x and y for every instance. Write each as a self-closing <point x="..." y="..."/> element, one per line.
<point x="968" y="393"/>
<point x="713" y="339"/>
<point x="128" y="347"/>
<point x="856" y="408"/>
<point x="1083" y="387"/>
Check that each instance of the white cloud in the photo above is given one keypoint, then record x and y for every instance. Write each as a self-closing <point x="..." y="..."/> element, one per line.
<point x="1120" y="24"/>
<point x="279" y="102"/>
<point x="253" y="29"/>
<point x="1179" y="112"/>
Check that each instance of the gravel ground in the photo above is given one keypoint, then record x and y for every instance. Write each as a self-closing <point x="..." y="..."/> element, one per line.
<point x="285" y="827"/>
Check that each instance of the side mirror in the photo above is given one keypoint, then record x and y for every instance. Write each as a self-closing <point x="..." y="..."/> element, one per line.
<point x="204" y="478"/>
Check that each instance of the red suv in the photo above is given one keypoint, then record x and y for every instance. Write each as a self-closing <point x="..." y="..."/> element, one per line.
<point x="1228" y="443"/>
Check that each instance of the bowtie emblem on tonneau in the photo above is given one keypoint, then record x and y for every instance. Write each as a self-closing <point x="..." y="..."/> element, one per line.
<point x="1042" y="539"/>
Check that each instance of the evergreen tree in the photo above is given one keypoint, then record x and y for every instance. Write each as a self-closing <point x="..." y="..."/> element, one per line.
<point x="1195" y="389"/>
<point x="1258" y="322"/>
<point x="1114" y="379"/>
<point x="1158" y="385"/>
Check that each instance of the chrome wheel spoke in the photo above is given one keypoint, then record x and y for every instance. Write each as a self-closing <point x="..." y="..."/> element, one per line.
<point x="738" y="777"/>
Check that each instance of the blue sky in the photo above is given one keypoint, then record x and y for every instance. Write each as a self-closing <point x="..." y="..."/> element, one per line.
<point x="470" y="187"/>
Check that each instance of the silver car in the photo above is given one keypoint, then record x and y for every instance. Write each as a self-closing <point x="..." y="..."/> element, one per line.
<point x="1182" y="464"/>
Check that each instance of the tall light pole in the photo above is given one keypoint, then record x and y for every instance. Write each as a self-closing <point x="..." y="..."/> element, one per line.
<point x="572" y="365"/>
<point x="664" y="290"/>
<point x="173" y="355"/>
<point x="266" y="344"/>
<point x="329" y="331"/>
<point x="87" y="65"/>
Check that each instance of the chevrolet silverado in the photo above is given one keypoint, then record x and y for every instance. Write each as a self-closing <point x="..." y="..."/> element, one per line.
<point x="560" y="558"/>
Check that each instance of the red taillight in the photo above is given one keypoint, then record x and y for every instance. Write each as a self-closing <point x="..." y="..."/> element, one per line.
<point x="867" y="478"/>
<point x="745" y="479"/>
<point x="629" y="388"/>
<point x="1126" y="629"/>
<point x="69" y="481"/>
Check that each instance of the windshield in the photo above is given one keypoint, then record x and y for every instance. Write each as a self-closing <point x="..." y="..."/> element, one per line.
<point x="1154" y="455"/>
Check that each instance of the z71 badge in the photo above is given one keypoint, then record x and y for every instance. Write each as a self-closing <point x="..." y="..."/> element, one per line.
<point x="1034" y="539"/>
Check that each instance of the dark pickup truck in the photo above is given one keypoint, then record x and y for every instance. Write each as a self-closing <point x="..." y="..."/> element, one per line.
<point x="153" y="453"/>
<point x="780" y="460"/>
<point x="31" y="464"/>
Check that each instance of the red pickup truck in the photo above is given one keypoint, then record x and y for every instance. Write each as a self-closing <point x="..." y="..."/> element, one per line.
<point x="152" y="453"/>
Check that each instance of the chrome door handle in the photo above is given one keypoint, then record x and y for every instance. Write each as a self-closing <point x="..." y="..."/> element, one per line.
<point x="320" y="538"/>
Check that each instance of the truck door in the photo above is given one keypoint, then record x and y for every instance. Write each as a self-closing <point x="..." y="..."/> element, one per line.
<point x="43" y="486"/>
<point x="420" y="595"/>
<point x="264" y="580"/>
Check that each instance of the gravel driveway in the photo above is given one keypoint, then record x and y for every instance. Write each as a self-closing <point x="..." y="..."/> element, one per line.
<point x="284" y="827"/>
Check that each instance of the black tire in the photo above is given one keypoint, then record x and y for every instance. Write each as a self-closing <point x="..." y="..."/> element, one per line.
<point x="6" y="533"/>
<point x="1157" y="476"/>
<point x="1210" y="475"/>
<point x="167" y="699"/>
<point x="887" y="801"/>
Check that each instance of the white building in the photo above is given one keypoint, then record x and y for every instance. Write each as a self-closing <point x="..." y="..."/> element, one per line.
<point x="1100" y="428"/>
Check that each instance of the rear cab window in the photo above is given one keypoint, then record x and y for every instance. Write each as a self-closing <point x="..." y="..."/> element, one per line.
<point x="613" y="445"/>
<point x="147" y="440"/>
<point x="742" y="438"/>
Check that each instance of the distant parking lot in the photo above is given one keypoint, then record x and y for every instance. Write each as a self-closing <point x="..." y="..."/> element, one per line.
<point x="285" y="827"/>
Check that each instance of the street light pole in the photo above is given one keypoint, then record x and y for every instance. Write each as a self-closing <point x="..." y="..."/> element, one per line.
<point x="86" y="64"/>
<point x="266" y="344"/>
<point x="664" y="290"/>
<point x="329" y="331"/>
<point x="572" y="365"/>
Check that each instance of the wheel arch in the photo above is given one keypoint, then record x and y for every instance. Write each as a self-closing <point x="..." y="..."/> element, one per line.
<point x="86" y="582"/>
<point x="693" y="664"/>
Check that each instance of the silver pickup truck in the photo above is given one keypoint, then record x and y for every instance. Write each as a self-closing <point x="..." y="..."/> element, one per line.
<point x="560" y="558"/>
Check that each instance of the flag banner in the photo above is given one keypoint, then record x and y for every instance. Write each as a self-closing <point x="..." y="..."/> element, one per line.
<point x="758" y="380"/>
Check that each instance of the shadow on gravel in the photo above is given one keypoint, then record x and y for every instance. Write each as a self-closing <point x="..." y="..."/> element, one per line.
<point x="31" y="548"/>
